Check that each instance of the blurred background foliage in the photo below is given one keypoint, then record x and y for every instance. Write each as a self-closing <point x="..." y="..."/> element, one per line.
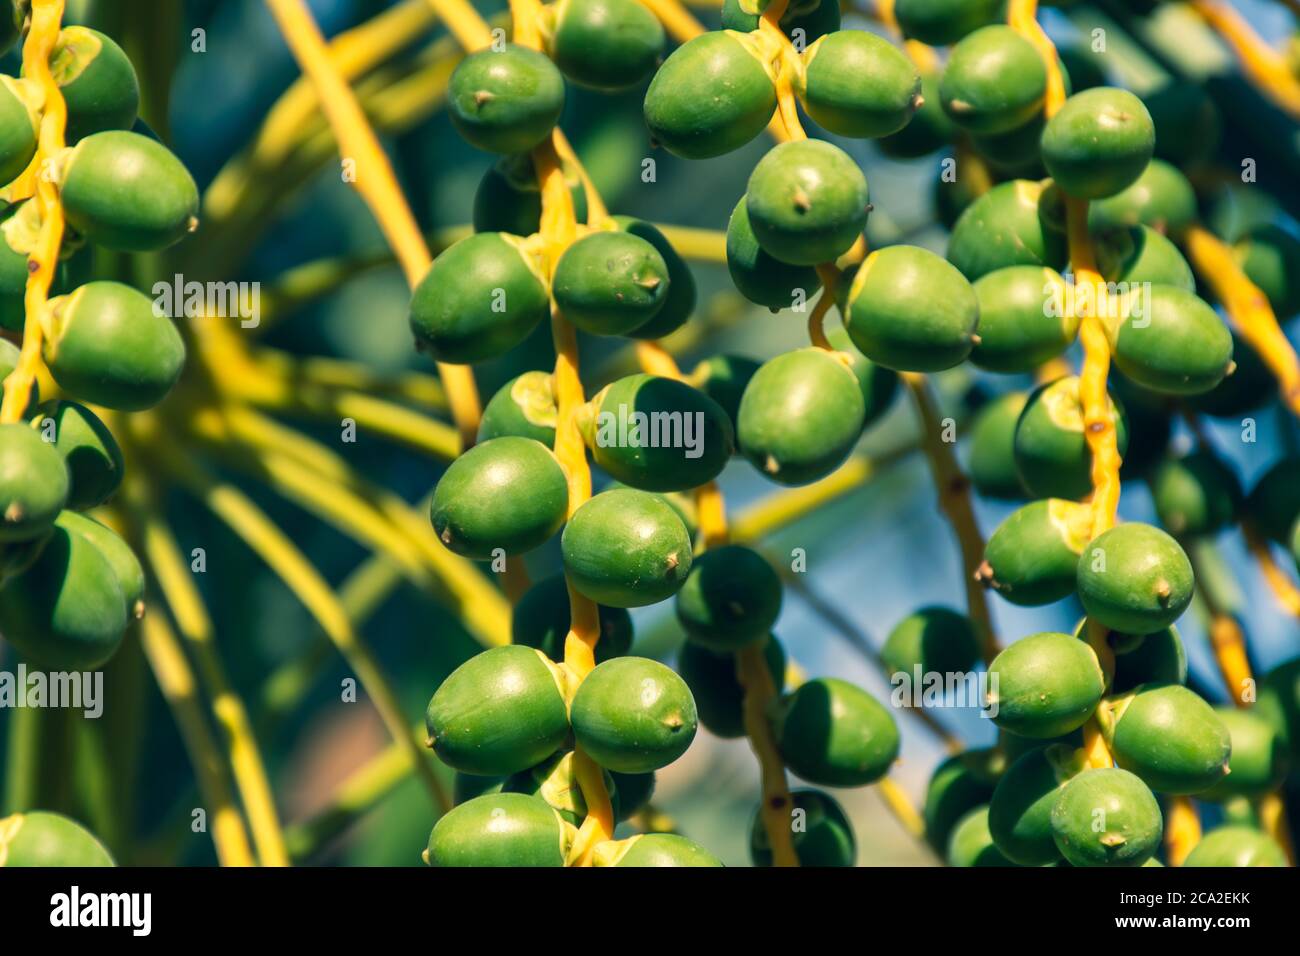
<point x="874" y="555"/>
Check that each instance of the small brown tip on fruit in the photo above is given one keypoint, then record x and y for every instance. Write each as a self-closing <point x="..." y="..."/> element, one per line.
<point x="649" y="283"/>
<point x="1113" y="839"/>
<point x="424" y="855"/>
<point x="975" y="340"/>
<point x="801" y="200"/>
<point x="430" y="741"/>
<point x="984" y="573"/>
<point x="672" y="562"/>
<point x="1163" y="591"/>
<point x="771" y="465"/>
<point x="14" y="513"/>
<point x="870" y="207"/>
<point x="481" y="97"/>
<point x="137" y="611"/>
<point x="445" y="537"/>
<point x="1232" y="367"/>
<point x="918" y="101"/>
<point x="192" y="224"/>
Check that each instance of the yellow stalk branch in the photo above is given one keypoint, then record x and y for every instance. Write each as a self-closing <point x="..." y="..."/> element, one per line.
<point x="43" y="32"/>
<point x="274" y="547"/>
<point x="374" y="180"/>
<point x="176" y="583"/>
<point x="1266" y="67"/>
<point x="1272" y="817"/>
<point x="901" y="807"/>
<point x="1248" y="308"/>
<point x="953" y="488"/>
<point x="677" y="20"/>
<point x="179" y="689"/>
<point x="1286" y="593"/>
<point x="1182" y="830"/>
<point x="465" y="24"/>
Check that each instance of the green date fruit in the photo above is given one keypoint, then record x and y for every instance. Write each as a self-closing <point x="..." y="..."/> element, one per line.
<point x="633" y="715"/>
<point x="501" y="829"/>
<point x="508" y="494"/>
<point x="34" y="483"/>
<point x="1130" y="821"/>
<point x="760" y="277"/>
<point x="1032" y="558"/>
<point x="508" y="198"/>
<point x="626" y="548"/>
<point x="97" y="81"/>
<point x="500" y="712"/>
<point x="1015" y="223"/>
<point x="1051" y="449"/>
<point x="719" y="696"/>
<point x="991" y="462"/>
<point x="523" y="407"/>
<point x="1045" y="685"/>
<point x="971" y="843"/>
<point x="1234" y="846"/>
<point x="1196" y="495"/>
<point x="994" y="82"/>
<point x="603" y="44"/>
<point x="1098" y="143"/>
<point x="834" y="734"/>
<point x="935" y="639"/>
<point x="610" y="283"/>
<point x="1168" y="736"/>
<point x="653" y="849"/>
<point x="1022" y="319"/>
<point x="1020" y="811"/>
<point x="49" y="839"/>
<point x="825" y="838"/>
<point x="88" y="448"/>
<point x="507" y="100"/>
<point x="854" y="83"/>
<point x="1135" y="579"/>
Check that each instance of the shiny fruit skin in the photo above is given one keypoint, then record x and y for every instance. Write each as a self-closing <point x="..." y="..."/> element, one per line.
<point x="1196" y="495"/>
<point x="501" y="829"/>
<point x="909" y="310"/>
<point x="67" y="610"/>
<point x="854" y="83"/>
<point x="1136" y="254"/>
<point x="1098" y="143"/>
<point x="34" y="483"/>
<point x="49" y="840"/>
<point x="610" y="283"/>
<point x="127" y="192"/>
<point x="523" y="407"/>
<point x="633" y="715"/>
<point x="1158" y="658"/>
<point x="1170" y="341"/>
<point x="505" y="101"/>
<point x="1236" y="846"/>
<point x="958" y="785"/>
<point x="94" y="460"/>
<point x="604" y="44"/>
<point x="991" y="461"/>
<point x="106" y="344"/>
<point x="1161" y="198"/>
<point x="1045" y="685"/>
<point x="1020" y="811"/>
<point x="723" y="378"/>
<point x="1051" y="450"/>
<point x="680" y="304"/>
<point x="1021" y="325"/>
<point x="1168" y="736"/>
<point x="18" y="126"/>
<point x="626" y="548"/>
<point x="658" y="434"/>
<point x="1135" y="579"/>
<point x="97" y="81"/>
<point x="498" y="713"/>
<point x="800" y="416"/>
<point x="879" y="385"/>
<point x="1015" y="223"/>
<point x="509" y="494"/>
<point x="125" y="564"/>
<point x="760" y="277"/>
<point x="1258" y="762"/>
<point x="711" y="96"/>
<point x="1032" y="558"/>
<point x="834" y="734"/>
<point x="971" y="844"/>
<point x="807" y="202"/>
<point x="935" y="639"/>
<point x="994" y="82"/>
<point x="1132" y="820"/>
<point x="653" y="850"/>
<point x="509" y="200"/>
<point x="481" y="297"/>
<point x="944" y="22"/>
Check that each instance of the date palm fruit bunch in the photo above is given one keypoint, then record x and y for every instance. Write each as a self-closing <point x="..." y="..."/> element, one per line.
<point x="69" y="585"/>
<point x="1063" y="181"/>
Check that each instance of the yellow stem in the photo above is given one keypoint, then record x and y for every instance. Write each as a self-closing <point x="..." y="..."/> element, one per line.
<point x="374" y="180"/>
<point x="656" y="361"/>
<point x="178" y="589"/>
<point x="1286" y="593"/>
<point x="266" y="540"/>
<point x="677" y="20"/>
<point x="1022" y="16"/>
<point x="830" y="277"/>
<point x="1266" y="67"/>
<point x="46" y="18"/>
<point x="1182" y="830"/>
<point x="776" y="805"/>
<point x="180" y="690"/>
<point x="1272" y="817"/>
<point x="465" y="24"/>
<point x="1248" y="308"/>
<point x="954" y="498"/>
<point x="901" y="806"/>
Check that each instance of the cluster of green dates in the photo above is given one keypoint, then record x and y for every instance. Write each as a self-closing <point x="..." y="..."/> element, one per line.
<point x="69" y="586"/>
<point x="508" y="721"/>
